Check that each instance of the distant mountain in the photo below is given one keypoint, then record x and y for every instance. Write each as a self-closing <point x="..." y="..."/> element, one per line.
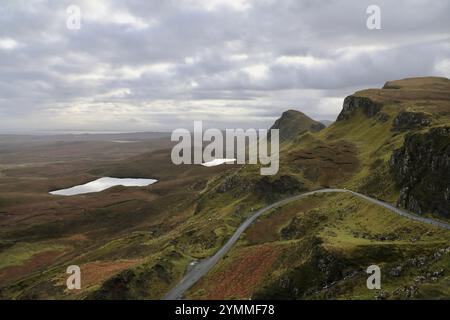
<point x="292" y="123"/>
<point x="327" y="123"/>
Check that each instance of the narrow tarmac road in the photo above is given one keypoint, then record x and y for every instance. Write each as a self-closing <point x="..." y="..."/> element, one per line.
<point x="200" y="269"/>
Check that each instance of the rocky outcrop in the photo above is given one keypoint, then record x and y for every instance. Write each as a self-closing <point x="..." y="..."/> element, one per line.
<point x="273" y="188"/>
<point x="411" y="120"/>
<point x="382" y="117"/>
<point x="421" y="168"/>
<point x="235" y="183"/>
<point x="269" y="188"/>
<point x="354" y="103"/>
<point x="292" y="123"/>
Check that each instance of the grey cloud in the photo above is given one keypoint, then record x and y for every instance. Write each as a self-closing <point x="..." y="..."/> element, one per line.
<point x="190" y="62"/>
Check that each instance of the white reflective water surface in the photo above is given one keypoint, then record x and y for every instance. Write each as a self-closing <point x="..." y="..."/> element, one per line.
<point x="103" y="184"/>
<point x="217" y="162"/>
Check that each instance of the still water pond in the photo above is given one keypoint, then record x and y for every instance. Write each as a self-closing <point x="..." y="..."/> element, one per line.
<point x="103" y="184"/>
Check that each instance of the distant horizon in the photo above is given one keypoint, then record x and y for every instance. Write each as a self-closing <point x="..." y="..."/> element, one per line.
<point x="72" y="132"/>
<point x="90" y="131"/>
<point x="56" y="132"/>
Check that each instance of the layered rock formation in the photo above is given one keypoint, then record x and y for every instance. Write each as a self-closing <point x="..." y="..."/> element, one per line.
<point x="353" y="103"/>
<point x="411" y="120"/>
<point x="421" y="168"/>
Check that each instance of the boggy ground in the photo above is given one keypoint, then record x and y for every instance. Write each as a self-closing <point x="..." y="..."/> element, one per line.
<point x="104" y="233"/>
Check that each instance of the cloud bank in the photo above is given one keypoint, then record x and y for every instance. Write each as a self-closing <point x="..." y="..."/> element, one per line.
<point x="159" y="65"/>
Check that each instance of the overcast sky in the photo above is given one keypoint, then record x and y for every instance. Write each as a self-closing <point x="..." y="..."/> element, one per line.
<point x="157" y="65"/>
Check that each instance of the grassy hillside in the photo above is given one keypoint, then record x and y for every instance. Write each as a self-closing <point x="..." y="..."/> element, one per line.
<point x="138" y="242"/>
<point x="320" y="248"/>
<point x="354" y="152"/>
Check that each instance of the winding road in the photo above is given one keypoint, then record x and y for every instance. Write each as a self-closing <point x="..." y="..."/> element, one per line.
<point x="200" y="269"/>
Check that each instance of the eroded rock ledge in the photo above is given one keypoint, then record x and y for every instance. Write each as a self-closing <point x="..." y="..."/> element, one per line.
<point x="353" y="103"/>
<point x="421" y="168"/>
<point x="411" y="120"/>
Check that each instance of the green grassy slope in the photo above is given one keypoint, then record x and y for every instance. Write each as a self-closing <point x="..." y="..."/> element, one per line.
<point x="353" y="153"/>
<point x="138" y="243"/>
<point x="321" y="247"/>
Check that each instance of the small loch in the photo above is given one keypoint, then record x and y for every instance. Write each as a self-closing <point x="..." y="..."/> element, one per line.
<point x="103" y="184"/>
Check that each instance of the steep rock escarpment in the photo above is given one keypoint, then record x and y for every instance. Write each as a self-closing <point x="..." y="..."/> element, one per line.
<point x="421" y="168"/>
<point x="411" y="120"/>
<point x="353" y="103"/>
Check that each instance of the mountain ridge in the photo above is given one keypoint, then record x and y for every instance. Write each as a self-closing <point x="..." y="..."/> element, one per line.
<point x="293" y="122"/>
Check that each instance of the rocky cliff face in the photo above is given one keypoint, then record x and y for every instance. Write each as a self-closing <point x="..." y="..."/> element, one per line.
<point x="421" y="168"/>
<point x="411" y="120"/>
<point x="353" y="103"/>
